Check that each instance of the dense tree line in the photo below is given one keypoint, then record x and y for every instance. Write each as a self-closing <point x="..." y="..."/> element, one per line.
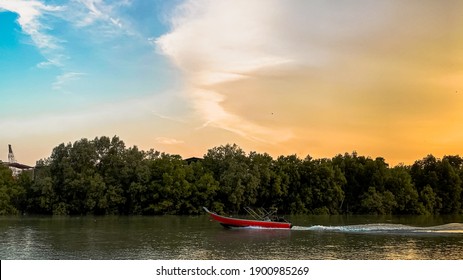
<point x="103" y="176"/>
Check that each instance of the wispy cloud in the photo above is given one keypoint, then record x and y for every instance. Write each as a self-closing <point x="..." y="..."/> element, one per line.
<point x="269" y="70"/>
<point x="105" y="16"/>
<point x="95" y="18"/>
<point x="168" y="141"/>
<point x="31" y="19"/>
<point x="65" y="78"/>
<point x="215" y="42"/>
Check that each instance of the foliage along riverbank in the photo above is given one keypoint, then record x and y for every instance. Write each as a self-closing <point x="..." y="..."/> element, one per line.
<point x="103" y="176"/>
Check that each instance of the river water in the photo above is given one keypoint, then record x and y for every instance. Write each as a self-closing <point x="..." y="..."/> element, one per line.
<point x="176" y="237"/>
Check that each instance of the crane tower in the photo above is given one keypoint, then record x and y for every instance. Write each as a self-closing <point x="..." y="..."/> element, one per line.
<point x="11" y="158"/>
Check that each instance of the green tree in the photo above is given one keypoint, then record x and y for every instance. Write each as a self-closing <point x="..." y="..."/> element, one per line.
<point x="204" y="188"/>
<point x="407" y="197"/>
<point x="449" y="189"/>
<point x="238" y="185"/>
<point x="441" y="179"/>
<point x="289" y="171"/>
<point x="430" y="200"/>
<point x="374" y="202"/>
<point x="12" y="195"/>
<point x="103" y="176"/>
<point x="327" y="183"/>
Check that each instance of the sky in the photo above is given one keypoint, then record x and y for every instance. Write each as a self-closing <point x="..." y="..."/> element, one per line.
<point x="382" y="78"/>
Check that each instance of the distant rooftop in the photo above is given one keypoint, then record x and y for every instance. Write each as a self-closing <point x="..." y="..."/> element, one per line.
<point x="193" y="159"/>
<point x="16" y="165"/>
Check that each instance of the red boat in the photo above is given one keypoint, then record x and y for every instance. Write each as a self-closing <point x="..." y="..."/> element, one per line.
<point x="263" y="221"/>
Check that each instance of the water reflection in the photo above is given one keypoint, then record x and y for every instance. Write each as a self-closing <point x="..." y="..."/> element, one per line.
<point x="171" y="237"/>
<point x="254" y="235"/>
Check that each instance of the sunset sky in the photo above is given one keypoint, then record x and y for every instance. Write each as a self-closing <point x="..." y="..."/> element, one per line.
<point x="319" y="78"/>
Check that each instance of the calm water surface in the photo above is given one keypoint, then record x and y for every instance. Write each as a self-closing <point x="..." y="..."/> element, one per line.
<point x="174" y="237"/>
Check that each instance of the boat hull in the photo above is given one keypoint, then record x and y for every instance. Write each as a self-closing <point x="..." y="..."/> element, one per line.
<point x="239" y="223"/>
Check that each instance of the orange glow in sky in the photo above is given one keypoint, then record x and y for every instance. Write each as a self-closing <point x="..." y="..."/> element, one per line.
<point x="383" y="78"/>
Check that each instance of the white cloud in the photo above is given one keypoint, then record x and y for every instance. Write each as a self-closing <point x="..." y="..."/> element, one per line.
<point x="321" y="55"/>
<point x="221" y="41"/>
<point x="65" y="78"/>
<point x="37" y="20"/>
<point x="46" y="64"/>
<point x="217" y="41"/>
<point x="168" y="141"/>
<point x="30" y="19"/>
<point x="340" y="76"/>
<point x="97" y="10"/>
<point x="57" y="60"/>
<point x="208" y="104"/>
<point x="104" y="17"/>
